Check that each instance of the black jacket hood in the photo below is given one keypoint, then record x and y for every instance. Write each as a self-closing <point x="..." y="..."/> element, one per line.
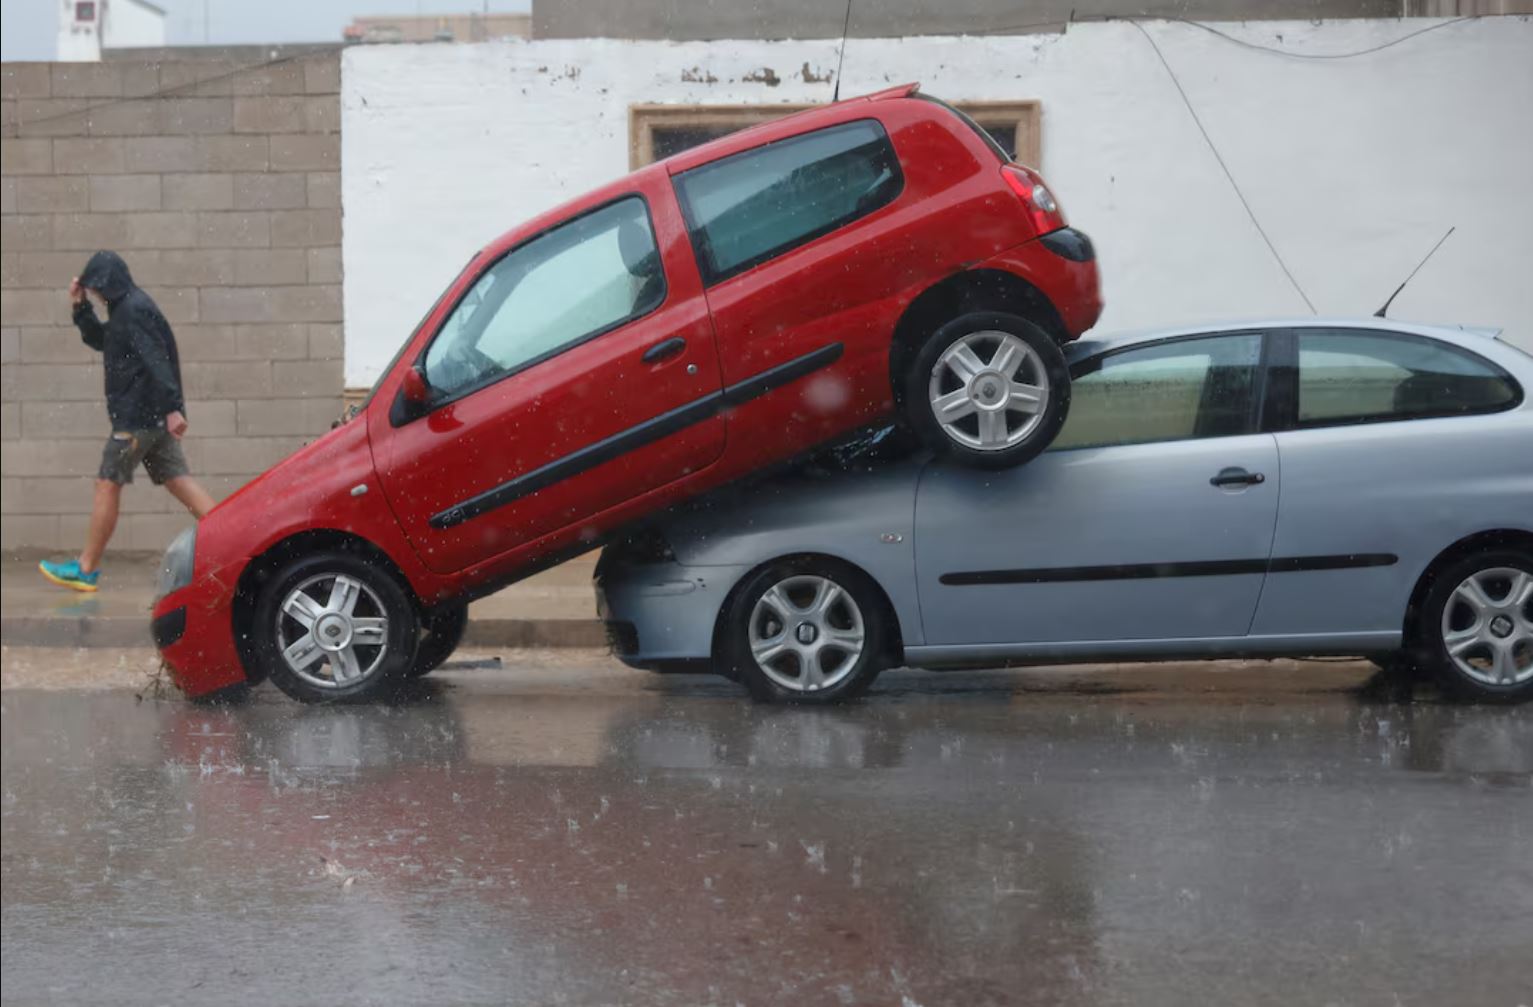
<point x="107" y="274"/>
<point x="138" y="349"/>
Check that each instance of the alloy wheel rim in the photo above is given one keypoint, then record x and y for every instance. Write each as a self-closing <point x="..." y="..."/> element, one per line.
<point x="989" y="391"/>
<point x="1487" y="626"/>
<point x="807" y="633"/>
<point x="332" y="631"/>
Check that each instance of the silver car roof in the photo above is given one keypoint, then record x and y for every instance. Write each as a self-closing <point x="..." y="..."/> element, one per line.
<point x="1463" y="335"/>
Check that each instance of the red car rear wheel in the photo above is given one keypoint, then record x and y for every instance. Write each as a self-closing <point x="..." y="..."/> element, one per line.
<point x="988" y="389"/>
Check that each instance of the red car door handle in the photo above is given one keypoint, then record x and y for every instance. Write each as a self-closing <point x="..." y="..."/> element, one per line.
<point x="664" y="350"/>
<point x="1237" y="477"/>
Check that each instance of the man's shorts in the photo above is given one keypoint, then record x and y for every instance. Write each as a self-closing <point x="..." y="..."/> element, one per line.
<point x="159" y="452"/>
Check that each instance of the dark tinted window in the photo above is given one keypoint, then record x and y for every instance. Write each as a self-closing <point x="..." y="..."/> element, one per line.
<point x="746" y="209"/>
<point x="1369" y="377"/>
<point x="1179" y="390"/>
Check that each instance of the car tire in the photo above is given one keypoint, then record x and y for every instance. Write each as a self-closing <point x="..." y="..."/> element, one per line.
<point x="838" y="655"/>
<point x="334" y="592"/>
<point x="962" y="392"/>
<point x="442" y="632"/>
<point x="1476" y="627"/>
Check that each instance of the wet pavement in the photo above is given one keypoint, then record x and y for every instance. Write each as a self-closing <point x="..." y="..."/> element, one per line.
<point x="558" y="831"/>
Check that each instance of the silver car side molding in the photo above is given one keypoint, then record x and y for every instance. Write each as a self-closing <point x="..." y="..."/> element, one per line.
<point x="1189" y="648"/>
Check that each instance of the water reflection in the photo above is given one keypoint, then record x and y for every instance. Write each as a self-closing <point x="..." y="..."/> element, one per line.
<point x="650" y="845"/>
<point x="76" y="606"/>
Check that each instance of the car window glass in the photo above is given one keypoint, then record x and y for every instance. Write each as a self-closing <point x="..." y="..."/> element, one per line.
<point x="576" y="281"/>
<point x="745" y="209"/>
<point x="1189" y="388"/>
<point x="1362" y="377"/>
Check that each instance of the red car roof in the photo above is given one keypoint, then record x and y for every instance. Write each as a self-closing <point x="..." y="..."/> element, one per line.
<point x="734" y="143"/>
<point x="777" y="129"/>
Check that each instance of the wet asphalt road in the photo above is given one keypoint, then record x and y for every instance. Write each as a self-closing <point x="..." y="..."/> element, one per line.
<point x="596" y="836"/>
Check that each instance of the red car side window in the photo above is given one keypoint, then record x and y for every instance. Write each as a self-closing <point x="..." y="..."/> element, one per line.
<point x="568" y="285"/>
<point x="746" y="209"/>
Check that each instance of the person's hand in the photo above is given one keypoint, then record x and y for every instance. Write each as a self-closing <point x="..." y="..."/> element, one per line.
<point x="76" y="292"/>
<point x="175" y="424"/>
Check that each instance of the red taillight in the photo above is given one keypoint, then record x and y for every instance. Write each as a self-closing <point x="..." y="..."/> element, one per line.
<point x="1042" y="208"/>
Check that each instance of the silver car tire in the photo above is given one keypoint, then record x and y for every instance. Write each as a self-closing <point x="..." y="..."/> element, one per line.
<point x="1476" y="627"/>
<point x="805" y="630"/>
<point x="335" y="627"/>
<point x="988" y="389"/>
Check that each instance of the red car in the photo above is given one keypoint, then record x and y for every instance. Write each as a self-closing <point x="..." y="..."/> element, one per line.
<point x="700" y="319"/>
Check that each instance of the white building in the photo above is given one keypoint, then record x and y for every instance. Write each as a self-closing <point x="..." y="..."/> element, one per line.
<point x="1355" y="165"/>
<point x="88" y="26"/>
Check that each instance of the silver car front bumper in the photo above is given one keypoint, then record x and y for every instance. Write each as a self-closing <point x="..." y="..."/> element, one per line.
<point x="663" y="612"/>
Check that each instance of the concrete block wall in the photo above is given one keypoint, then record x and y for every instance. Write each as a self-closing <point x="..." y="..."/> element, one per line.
<point x="220" y="185"/>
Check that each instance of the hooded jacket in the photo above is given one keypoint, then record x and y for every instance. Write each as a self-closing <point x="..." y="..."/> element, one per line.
<point x="143" y="370"/>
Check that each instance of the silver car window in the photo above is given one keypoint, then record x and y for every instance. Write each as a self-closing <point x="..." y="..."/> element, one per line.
<point x="1371" y="377"/>
<point x="1177" y="390"/>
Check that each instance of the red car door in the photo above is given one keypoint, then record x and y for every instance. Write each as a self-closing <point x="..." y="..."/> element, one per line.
<point x="577" y="372"/>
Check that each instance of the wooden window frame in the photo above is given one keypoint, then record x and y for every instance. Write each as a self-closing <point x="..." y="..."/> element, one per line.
<point x="1026" y="117"/>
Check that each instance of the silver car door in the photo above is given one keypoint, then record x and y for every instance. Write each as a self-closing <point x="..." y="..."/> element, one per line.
<point x="1400" y="446"/>
<point x="1151" y="517"/>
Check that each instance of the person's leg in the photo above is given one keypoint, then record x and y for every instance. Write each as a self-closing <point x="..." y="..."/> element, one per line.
<point x="122" y="454"/>
<point x="103" y="521"/>
<point x="166" y="464"/>
<point x="191" y="494"/>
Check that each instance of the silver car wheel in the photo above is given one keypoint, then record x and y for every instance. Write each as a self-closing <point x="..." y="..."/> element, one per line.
<point x="806" y="633"/>
<point x="1488" y="626"/>
<point x="989" y="390"/>
<point x="332" y="631"/>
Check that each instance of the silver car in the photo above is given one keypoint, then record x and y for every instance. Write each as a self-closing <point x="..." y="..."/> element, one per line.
<point x="1282" y="488"/>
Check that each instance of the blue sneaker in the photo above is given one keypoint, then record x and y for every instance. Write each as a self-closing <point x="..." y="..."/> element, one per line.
<point x="69" y="575"/>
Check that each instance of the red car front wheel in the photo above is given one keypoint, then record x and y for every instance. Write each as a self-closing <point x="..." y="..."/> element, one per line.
<point x="334" y="627"/>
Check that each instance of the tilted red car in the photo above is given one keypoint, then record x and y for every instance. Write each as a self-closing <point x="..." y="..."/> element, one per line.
<point x="697" y="320"/>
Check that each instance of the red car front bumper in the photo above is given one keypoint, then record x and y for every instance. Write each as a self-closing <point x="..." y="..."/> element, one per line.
<point x="193" y="628"/>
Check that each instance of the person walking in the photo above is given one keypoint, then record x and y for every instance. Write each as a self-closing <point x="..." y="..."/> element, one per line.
<point x="143" y="400"/>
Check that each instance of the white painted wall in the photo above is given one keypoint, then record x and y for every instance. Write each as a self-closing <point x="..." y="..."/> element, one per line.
<point x="1354" y="166"/>
<point x="130" y="24"/>
<point x="118" y="24"/>
<point x="79" y="41"/>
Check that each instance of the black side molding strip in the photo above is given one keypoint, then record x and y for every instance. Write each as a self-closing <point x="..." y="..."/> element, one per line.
<point x="1146" y="571"/>
<point x="636" y="436"/>
<point x="775" y="377"/>
<point x="1350" y="561"/>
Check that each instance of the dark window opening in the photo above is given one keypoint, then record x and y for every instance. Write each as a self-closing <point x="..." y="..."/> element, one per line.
<point x="671" y="140"/>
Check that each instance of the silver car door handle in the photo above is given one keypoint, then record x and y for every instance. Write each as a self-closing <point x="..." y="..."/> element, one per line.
<point x="1236" y="476"/>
